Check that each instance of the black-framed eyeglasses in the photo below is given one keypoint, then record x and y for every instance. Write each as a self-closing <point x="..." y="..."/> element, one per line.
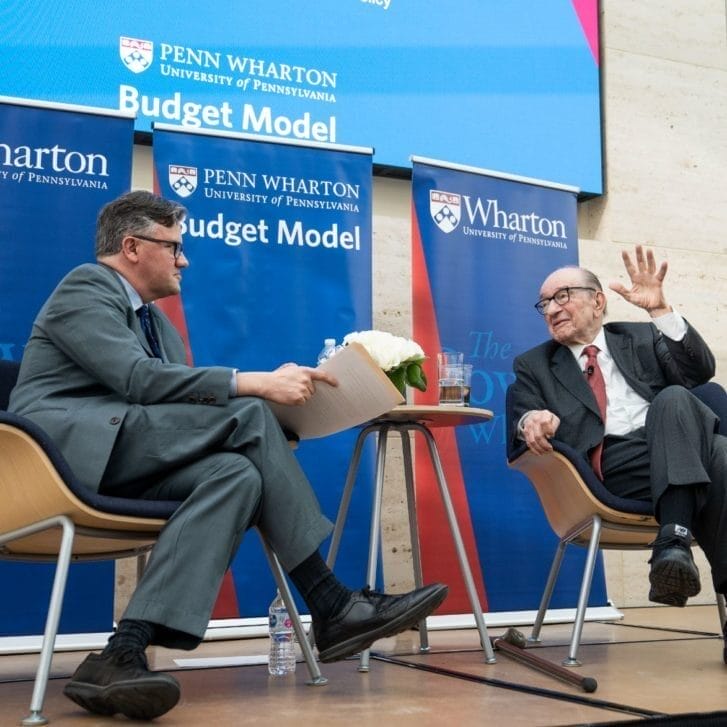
<point x="177" y="248"/>
<point x="561" y="297"/>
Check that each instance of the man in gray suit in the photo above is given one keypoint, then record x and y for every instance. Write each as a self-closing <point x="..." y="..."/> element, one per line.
<point x="658" y="440"/>
<point x="104" y="374"/>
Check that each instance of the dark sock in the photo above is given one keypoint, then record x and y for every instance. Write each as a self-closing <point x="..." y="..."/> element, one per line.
<point x="677" y="505"/>
<point x="131" y="635"/>
<point x="322" y="592"/>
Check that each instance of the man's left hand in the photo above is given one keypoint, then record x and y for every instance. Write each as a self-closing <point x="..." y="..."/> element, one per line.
<point x="646" y="290"/>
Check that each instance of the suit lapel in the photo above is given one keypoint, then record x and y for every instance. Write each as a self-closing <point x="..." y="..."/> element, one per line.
<point x="566" y="371"/>
<point x="622" y="351"/>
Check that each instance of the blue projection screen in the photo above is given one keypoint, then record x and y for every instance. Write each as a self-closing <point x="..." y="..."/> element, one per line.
<point x="512" y="86"/>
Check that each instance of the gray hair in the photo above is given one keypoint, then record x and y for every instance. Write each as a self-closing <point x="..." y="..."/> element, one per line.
<point x="590" y="280"/>
<point x="134" y="212"/>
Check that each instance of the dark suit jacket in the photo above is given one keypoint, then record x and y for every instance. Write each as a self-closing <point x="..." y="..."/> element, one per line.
<point x="548" y="377"/>
<point x="87" y="363"/>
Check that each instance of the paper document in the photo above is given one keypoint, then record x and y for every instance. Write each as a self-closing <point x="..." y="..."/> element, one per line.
<point x="364" y="392"/>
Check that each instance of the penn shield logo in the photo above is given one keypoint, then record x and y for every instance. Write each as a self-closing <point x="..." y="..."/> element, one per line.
<point x="445" y="209"/>
<point x="183" y="180"/>
<point x="136" y="54"/>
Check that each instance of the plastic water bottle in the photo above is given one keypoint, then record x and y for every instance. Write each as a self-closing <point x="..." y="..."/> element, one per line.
<point x="328" y="350"/>
<point x="282" y="639"/>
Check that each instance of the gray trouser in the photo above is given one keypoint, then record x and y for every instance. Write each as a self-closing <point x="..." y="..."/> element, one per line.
<point x="233" y="469"/>
<point x="678" y="447"/>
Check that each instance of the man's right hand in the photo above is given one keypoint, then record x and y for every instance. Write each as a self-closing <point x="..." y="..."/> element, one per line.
<point x="288" y="384"/>
<point x="538" y="429"/>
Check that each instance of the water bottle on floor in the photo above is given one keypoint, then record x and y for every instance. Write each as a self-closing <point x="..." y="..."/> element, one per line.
<point x="282" y="639"/>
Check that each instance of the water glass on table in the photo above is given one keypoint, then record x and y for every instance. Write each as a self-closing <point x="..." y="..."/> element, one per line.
<point x="450" y="367"/>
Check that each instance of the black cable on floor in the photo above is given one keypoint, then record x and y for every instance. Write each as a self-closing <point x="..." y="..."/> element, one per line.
<point x="513" y="686"/>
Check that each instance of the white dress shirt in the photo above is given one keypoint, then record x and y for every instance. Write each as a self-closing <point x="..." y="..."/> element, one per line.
<point x="625" y="409"/>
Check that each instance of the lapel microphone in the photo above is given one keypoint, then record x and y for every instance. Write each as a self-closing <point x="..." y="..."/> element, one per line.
<point x="589" y="371"/>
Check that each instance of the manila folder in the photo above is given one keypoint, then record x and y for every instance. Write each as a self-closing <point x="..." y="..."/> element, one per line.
<point x="364" y="392"/>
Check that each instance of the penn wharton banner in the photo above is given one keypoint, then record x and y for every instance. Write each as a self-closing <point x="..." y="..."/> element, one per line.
<point x="482" y="244"/>
<point x="278" y="235"/>
<point x="59" y="165"/>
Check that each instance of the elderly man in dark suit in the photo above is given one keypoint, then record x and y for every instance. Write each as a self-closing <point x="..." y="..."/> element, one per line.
<point x="104" y="374"/>
<point x="648" y="437"/>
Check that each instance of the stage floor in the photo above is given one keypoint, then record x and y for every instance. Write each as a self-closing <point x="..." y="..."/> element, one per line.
<point x="655" y="661"/>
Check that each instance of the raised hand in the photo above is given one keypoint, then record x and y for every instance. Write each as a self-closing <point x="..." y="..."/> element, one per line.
<point x="646" y="282"/>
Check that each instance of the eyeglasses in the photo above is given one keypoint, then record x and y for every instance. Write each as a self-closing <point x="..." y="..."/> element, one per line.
<point x="561" y="297"/>
<point x="177" y="248"/>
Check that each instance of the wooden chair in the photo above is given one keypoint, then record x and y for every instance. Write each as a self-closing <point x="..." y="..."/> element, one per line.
<point x="47" y="515"/>
<point x="581" y="511"/>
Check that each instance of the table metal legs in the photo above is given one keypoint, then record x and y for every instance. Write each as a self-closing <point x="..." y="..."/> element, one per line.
<point x="382" y="430"/>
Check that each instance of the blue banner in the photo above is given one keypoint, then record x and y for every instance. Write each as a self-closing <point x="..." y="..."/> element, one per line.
<point x="482" y="245"/>
<point x="58" y="166"/>
<point x="279" y="240"/>
<point x="511" y="85"/>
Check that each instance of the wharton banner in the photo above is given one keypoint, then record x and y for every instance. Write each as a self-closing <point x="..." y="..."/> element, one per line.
<point x="59" y="165"/>
<point x="481" y="246"/>
<point x="278" y="235"/>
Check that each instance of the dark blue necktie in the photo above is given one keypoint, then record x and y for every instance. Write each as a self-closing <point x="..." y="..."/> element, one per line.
<point x="148" y="328"/>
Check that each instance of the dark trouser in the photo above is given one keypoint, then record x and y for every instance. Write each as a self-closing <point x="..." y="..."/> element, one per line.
<point x="233" y="469"/>
<point x="678" y="447"/>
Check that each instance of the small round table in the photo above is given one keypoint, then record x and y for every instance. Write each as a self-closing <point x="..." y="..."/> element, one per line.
<point x="404" y="419"/>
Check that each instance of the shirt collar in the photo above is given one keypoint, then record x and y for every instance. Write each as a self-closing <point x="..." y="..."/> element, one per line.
<point x="600" y="340"/>
<point x="134" y="298"/>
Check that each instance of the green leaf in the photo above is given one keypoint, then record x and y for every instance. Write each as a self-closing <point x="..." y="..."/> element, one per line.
<point x="416" y="377"/>
<point x="398" y="377"/>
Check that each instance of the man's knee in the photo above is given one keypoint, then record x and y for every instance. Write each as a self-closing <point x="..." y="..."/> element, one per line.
<point x="672" y="401"/>
<point x="235" y="481"/>
<point x="672" y="396"/>
<point x="677" y="403"/>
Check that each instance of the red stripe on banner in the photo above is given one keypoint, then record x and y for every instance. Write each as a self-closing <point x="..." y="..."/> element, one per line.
<point x="226" y="605"/>
<point x="174" y="310"/>
<point x="439" y="557"/>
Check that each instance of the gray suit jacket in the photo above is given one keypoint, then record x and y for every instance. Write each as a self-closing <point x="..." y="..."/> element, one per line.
<point x="548" y="377"/>
<point x="87" y="363"/>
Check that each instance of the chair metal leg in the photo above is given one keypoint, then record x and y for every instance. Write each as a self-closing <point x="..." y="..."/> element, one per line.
<point x="346" y="496"/>
<point x="584" y="592"/>
<point x="721" y="610"/>
<point x="414" y="531"/>
<point x="375" y="531"/>
<point x="459" y="545"/>
<point x="35" y="717"/>
<point x="548" y="592"/>
<point x="317" y="679"/>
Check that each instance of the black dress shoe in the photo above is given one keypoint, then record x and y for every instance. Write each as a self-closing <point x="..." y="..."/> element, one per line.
<point x="674" y="575"/>
<point x="368" y="616"/>
<point x="121" y="682"/>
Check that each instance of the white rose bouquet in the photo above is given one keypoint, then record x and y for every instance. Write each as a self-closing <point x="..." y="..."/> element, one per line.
<point x="399" y="358"/>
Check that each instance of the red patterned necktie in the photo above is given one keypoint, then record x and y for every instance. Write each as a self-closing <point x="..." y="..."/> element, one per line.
<point x="594" y="376"/>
